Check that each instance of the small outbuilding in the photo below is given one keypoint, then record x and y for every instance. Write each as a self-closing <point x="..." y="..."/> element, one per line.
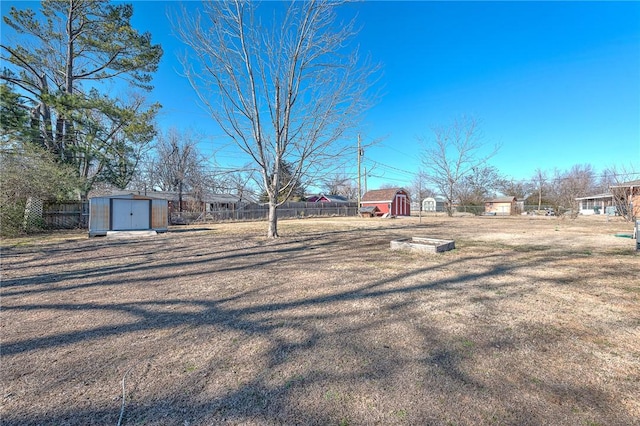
<point x="433" y="204"/>
<point x="394" y="201"/>
<point x="127" y="212"/>
<point x="501" y="206"/>
<point x="370" y="211"/>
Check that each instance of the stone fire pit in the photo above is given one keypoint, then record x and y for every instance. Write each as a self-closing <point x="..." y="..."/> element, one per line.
<point x="423" y="245"/>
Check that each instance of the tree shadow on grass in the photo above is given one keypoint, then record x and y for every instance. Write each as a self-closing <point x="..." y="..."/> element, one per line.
<point x="364" y="355"/>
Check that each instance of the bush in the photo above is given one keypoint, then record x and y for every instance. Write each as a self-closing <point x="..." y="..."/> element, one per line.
<point x="28" y="172"/>
<point x="11" y="219"/>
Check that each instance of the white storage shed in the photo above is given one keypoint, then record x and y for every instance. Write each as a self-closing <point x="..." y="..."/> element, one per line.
<point x="128" y="212"/>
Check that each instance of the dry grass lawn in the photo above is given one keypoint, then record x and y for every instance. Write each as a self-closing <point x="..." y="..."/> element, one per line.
<point x="530" y="321"/>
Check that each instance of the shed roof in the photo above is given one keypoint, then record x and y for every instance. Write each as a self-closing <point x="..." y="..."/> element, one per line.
<point x="369" y="209"/>
<point x="383" y="195"/>
<point x="173" y="196"/>
<point x="127" y="195"/>
<point x="502" y="200"/>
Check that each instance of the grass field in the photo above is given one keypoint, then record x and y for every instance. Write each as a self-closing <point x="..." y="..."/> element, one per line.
<point x="529" y="321"/>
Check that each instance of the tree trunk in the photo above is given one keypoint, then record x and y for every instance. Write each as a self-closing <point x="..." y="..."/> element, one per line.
<point x="449" y="210"/>
<point x="540" y="198"/>
<point x="273" y="220"/>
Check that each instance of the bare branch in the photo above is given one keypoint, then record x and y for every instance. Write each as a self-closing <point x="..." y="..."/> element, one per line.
<point x="285" y="89"/>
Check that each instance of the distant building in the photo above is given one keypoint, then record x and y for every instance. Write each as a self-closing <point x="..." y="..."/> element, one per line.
<point x="501" y="206"/>
<point x="595" y="204"/>
<point x="323" y="198"/>
<point x="433" y="204"/>
<point x="629" y="191"/>
<point x="395" y="201"/>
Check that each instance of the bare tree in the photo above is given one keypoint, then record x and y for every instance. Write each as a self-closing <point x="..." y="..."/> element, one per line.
<point x="240" y="184"/>
<point x="341" y="184"/>
<point x="283" y="85"/>
<point x="178" y="165"/>
<point x="477" y="186"/>
<point x="578" y="181"/>
<point x="614" y="179"/>
<point x="420" y="189"/>
<point x="518" y="189"/>
<point x="452" y="155"/>
<point x="540" y="182"/>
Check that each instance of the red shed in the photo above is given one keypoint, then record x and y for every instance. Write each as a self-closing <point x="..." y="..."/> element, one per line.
<point x="393" y="200"/>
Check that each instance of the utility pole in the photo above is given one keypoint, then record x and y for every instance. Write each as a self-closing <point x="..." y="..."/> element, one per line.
<point x="365" y="180"/>
<point x="360" y="154"/>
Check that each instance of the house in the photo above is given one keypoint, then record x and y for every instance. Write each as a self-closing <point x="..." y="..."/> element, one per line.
<point x="595" y="204"/>
<point x="192" y="202"/>
<point x="394" y="201"/>
<point x="621" y="198"/>
<point x="331" y="198"/>
<point x="629" y="193"/>
<point x="501" y="206"/>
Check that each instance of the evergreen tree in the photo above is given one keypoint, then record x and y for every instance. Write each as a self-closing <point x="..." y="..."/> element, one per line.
<point x="64" y="52"/>
<point x="26" y="170"/>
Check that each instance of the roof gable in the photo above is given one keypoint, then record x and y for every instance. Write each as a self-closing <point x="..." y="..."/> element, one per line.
<point x="382" y="194"/>
<point x="333" y="198"/>
<point x="370" y="209"/>
<point x="502" y="200"/>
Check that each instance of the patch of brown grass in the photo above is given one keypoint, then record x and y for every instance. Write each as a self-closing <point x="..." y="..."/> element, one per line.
<point x="528" y="321"/>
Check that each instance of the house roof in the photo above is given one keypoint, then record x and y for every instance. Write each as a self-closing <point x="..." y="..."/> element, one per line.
<point x="502" y="200"/>
<point x="331" y="197"/>
<point x="381" y="195"/>
<point x="595" y="197"/>
<point x="626" y="184"/>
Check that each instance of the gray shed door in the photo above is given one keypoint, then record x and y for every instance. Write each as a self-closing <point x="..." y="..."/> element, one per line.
<point x="130" y="215"/>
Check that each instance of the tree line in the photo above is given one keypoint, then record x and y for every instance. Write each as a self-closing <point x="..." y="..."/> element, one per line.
<point x="456" y="166"/>
<point x="286" y="84"/>
<point x="284" y="81"/>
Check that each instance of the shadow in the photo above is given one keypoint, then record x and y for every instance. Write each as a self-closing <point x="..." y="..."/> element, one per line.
<point x="174" y="230"/>
<point x="320" y="328"/>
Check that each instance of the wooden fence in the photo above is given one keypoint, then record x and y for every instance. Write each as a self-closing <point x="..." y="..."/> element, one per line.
<point x="65" y="214"/>
<point x="75" y="214"/>
<point x="261" y="212"/>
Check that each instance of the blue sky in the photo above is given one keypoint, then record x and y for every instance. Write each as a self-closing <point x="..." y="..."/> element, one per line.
<point x="553" y="83"/>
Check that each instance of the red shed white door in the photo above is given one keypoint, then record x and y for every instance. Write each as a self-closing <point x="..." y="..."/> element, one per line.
<point x="401" y="205"/>
<point x="130" y="215"/>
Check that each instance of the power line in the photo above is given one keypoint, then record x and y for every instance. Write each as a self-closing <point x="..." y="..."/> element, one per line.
<point x="386" y="166"/>
<point x="399" y="152"/>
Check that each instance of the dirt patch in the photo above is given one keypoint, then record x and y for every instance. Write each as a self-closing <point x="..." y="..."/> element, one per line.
<point x="528" y="321"/>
